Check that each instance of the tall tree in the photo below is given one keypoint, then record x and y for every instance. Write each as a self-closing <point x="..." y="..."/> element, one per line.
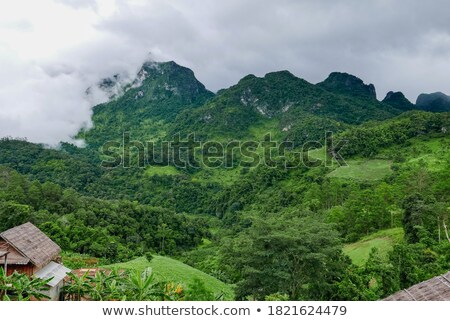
<point x="291" y="255"/>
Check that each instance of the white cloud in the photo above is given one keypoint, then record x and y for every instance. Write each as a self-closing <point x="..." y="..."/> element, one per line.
<point x="52" y="50"/>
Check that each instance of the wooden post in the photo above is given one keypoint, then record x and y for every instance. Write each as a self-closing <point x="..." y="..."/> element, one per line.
<point x="6" y="263"/>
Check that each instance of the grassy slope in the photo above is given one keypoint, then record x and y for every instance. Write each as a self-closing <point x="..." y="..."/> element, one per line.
<point x="372" y="169"/>
<point x="358" y="169"/>
<point x="168" y="269"/>
<point x="433" y="152"/>
<point x="382" y="240"/>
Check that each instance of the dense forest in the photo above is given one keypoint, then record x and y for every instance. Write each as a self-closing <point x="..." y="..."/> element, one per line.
<point x="366" y="220"/>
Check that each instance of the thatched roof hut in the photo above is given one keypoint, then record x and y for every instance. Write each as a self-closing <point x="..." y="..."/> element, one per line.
<point x="435" y="289"/>
<point x="29" y="244"/>
<point x="26" y="249"/>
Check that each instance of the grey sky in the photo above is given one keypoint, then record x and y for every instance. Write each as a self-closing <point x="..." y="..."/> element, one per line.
<point x="47" y="61"/>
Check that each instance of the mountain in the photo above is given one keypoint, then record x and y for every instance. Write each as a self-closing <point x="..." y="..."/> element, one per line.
<point x="166" y="99"/>
<point x="283" y="104"/>
<point x="435" y="102"/>
<point x="147" y="104"/>
<point x="398" y="100"/>
<point x="346" y="84"/>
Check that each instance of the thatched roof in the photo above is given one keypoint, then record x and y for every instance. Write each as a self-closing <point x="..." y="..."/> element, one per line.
<point x="14" y="257"/>
<point x="32" y="243"/>
<point x="3" y="248"/>
<point x="435" y="289"/>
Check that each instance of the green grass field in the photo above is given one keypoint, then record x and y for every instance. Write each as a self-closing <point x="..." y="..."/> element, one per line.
<point x="319" y="154"/>
<point x="372" y="169"/>
<point x="382" y="240"/>
<point x="170" y="270"/>
<point x="434" y="153"/>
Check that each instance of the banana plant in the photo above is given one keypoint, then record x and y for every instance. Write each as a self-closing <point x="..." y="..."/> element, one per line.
<point x="20" y="287"/>
<point x="5" y="285"/>
<point x="78" y="286"/>
<point x="141" y="286"/>
<point x="107" y="285"/>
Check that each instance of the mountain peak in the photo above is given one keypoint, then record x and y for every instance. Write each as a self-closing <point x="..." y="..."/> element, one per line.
<point x="273" y="76"/>
<point x="154" y="69"/>
<point x="164" y="79"/>
<point x="249" y="77"/>
<point x="281" y="73"/>
<point x="398" y="100"/>
<point x="437" y="102"/>
<point x="344" y="83"/>
<point x="166" y="66"/>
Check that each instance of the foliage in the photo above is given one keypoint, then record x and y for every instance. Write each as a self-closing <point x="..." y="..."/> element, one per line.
<point x="115" y="230"/>
<point x="20" y="287"/>
<point x="167" y="270"/>
<point x="113" y="285"/>
<point x="298" y="256"/>
<point x="132" y="285"/>
<point x="367" y="140"/>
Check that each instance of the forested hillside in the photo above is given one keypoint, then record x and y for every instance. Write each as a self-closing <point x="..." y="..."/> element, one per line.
<point x="272" y="232"/>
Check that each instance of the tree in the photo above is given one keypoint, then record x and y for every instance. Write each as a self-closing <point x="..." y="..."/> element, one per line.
<point x="164" y="232"/>
<point x="420" y="220"/>
<point x="13" y="214"/>
<point x="292" y="255"/>
<point x="381" y="275"/>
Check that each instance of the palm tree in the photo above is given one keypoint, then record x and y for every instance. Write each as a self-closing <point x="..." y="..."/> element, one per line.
<point x="164" y="232"/>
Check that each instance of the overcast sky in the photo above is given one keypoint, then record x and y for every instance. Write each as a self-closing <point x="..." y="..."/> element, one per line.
<point x="52" y="50"/>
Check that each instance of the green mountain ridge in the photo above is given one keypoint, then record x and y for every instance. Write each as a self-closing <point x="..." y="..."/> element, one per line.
<point x="166" y="99"/>
<point x="281" y="96"/>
